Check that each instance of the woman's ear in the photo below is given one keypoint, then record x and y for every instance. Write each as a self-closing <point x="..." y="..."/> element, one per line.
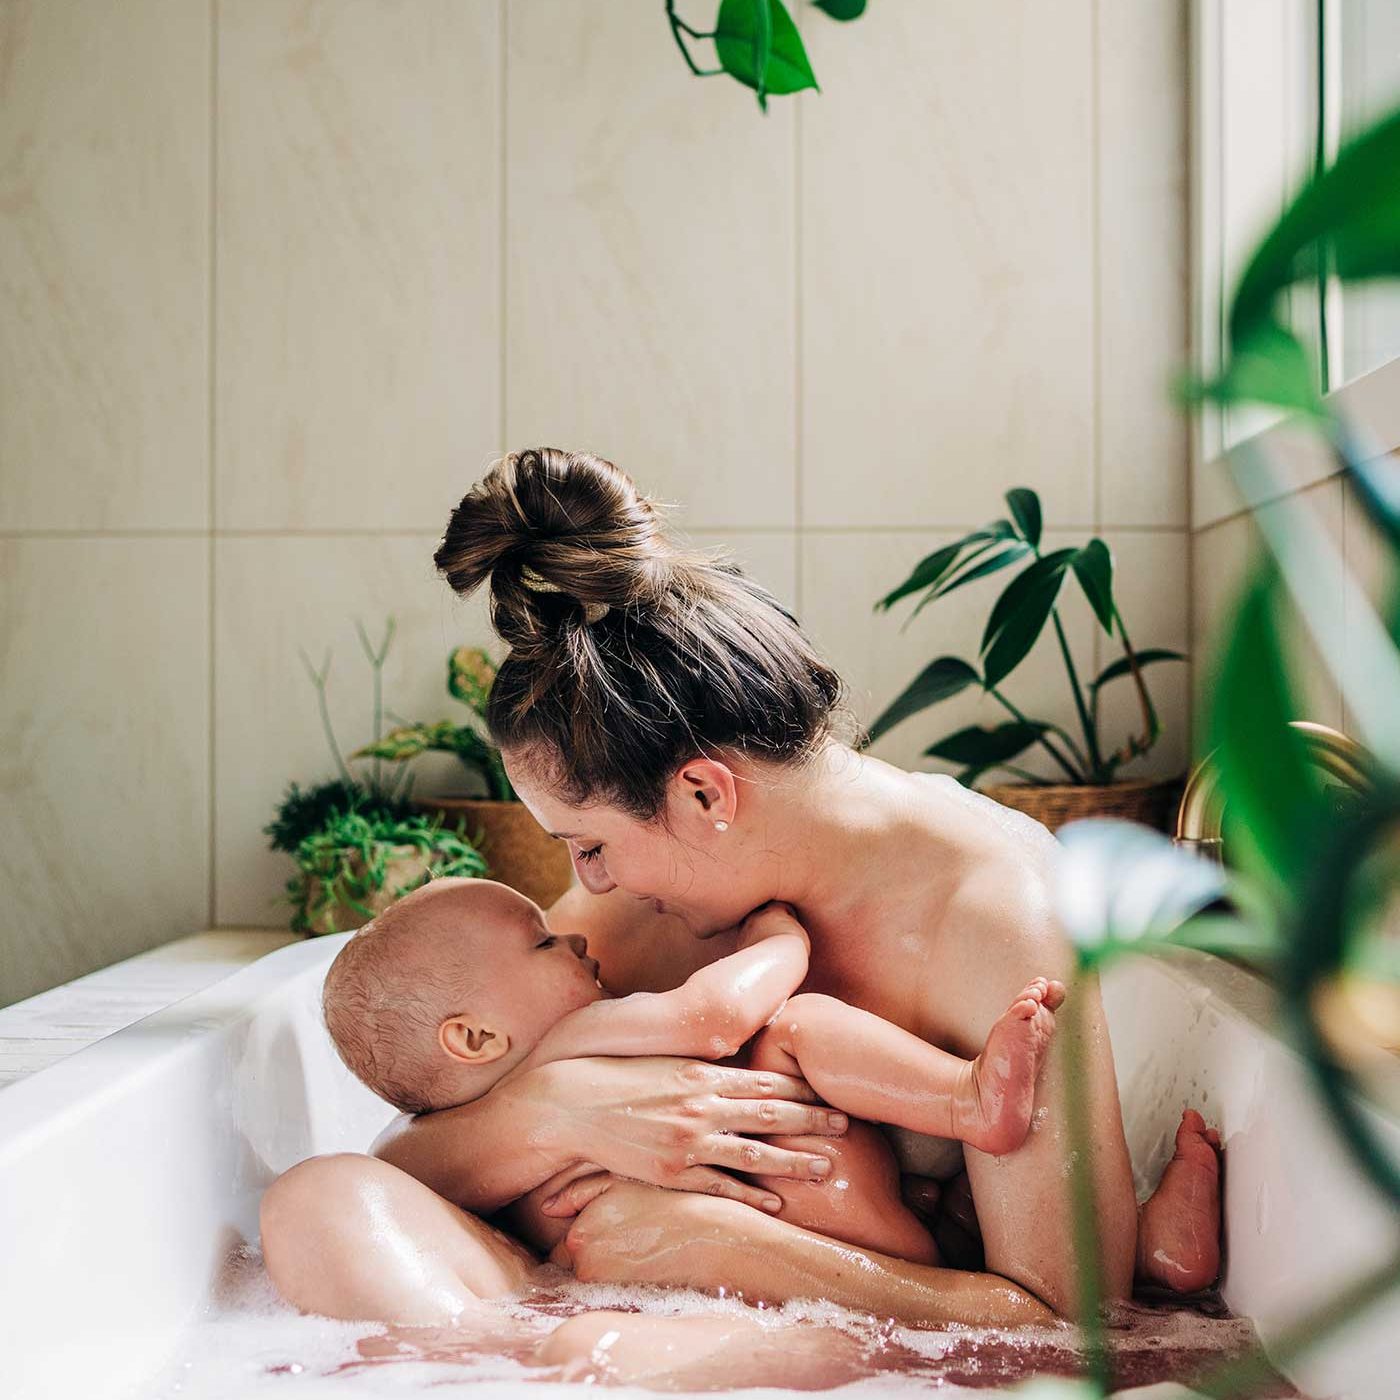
<point x="471" y="1042"/>
<point x="709" y="789"/>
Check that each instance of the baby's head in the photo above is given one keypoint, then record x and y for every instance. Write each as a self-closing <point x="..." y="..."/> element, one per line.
<point x="448" y="989"/>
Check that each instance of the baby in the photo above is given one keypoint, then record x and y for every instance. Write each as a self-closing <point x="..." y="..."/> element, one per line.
<point x="461" y="985"/>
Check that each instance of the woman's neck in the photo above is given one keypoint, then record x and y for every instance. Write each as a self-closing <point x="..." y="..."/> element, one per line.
<point x="831" y="835"/>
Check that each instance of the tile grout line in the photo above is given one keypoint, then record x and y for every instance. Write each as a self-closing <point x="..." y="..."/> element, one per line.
<point x="212" y="507"/>
<point x="798" y="366"/>
<point x="503" y="191"/>
<point x="1096" y="289"/>
<point x="1192" y="432"/>
<point x="233" y="532"/>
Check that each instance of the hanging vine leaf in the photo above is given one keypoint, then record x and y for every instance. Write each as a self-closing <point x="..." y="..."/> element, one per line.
<point x="750" y="33"/>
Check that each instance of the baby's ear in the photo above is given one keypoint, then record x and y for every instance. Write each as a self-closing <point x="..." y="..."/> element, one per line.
<point x="471" y="1042"/>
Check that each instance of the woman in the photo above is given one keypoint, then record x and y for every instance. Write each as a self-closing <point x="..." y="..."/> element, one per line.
<point x="665" y="717"/>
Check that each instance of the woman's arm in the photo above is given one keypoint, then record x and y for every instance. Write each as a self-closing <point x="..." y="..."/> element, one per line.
<point x="674" y="1123"/>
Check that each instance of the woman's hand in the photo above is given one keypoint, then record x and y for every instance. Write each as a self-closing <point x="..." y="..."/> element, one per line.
<point x="682" y="1124"/>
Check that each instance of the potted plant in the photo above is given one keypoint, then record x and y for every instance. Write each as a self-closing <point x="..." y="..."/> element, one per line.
<point x="520" y="852"/>
<point x="1027" y="604"/>
<point x="358" y="846"/>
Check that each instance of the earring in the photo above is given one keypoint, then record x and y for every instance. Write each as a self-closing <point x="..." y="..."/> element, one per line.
<point x="721" y="826"/>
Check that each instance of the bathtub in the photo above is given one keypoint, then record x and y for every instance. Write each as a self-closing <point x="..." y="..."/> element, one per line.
<point x="128" y="1170"/>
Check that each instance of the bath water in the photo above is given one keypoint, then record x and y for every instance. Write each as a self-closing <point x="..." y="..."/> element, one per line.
<point x="248" y="1345"/>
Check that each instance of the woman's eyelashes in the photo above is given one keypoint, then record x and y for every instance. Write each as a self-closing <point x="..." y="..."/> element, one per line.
<point x="591" y="855"/>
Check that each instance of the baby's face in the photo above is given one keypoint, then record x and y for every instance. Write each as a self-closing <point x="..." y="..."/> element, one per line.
<point x="534" y="977"/>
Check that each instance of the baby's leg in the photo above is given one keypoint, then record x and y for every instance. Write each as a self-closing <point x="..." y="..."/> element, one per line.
<point x="859" y="1201"/>
<point x="354" y="1238"/>
<point x="871" y="1069"/>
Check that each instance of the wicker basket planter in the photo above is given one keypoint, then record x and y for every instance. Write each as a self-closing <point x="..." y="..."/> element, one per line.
<point x="1150" y="802"/>
<point x="518" y="851"/>
<point x="404" y="869"/>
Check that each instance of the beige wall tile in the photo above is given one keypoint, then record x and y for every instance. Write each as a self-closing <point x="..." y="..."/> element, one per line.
<point x="104" y="265"/>
<point x="358" y="260"/>
<point x="1222" y="554"/>
<point x="1373" y="565"/>
<point x="104" y="818"/>
<point x="947" y="229"/>
<point x="1219" y="562"/>
<point x="274" y="595"/>
<point x="650" y="299"/>
<point x="842" y="576"/>
<point x="768" y="558"/>
<point x="1149" y="571"/>
<point x="1141" y="261"/>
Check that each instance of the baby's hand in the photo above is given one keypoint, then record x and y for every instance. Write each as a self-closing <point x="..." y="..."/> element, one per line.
<point x="768" y="920"/>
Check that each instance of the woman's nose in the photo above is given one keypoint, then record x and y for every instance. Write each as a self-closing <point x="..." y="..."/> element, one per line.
<point x="594" y="880"/>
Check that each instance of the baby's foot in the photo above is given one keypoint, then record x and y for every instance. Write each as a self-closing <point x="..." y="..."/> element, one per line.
<point x="998" y="1090"/>
<point x="1179" y="1226"/>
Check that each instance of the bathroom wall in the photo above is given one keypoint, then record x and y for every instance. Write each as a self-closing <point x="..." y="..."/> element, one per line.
<point x="1225" y="544"/>
<point x="278" y="280"/>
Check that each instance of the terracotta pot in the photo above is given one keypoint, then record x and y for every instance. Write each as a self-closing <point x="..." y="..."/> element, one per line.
<point x="403" y="871"/>
<point x="1149" y="801"/>
<point x="518" y="851"/>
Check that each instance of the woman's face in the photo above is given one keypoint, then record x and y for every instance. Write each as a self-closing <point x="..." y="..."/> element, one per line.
<point x="682" y="866"/>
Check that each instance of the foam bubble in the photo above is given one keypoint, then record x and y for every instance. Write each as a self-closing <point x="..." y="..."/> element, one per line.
<point x="248" y="1345"/>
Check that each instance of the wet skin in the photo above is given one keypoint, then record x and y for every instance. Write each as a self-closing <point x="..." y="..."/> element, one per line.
<point x="924" y="909"/>
<point x="926" y="905"/>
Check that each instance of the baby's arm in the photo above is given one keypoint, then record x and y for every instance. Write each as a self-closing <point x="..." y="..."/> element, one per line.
<point x="710" y="1016"/>
<point x="870" y="1068"/>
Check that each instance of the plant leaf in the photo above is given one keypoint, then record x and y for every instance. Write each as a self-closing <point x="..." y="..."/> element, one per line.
<point x="933" y="568"/>
<point x="1351" y="210"/>
<point x="1116" y="881"/>
<point x="937" y="681"/>
<point x="1020" y="616"/>
<point x="981" y="747"/>
<point x="1271" y="793"/>
<point x="1093" y="567"/>
<point x="737" y="32"/>
<point x="841" y="9"/>
<point x="1010" y="554"/>
<point x="1025" y="511"/>
<point x="1268" y="366"/>
<point x="1114" y="669"/>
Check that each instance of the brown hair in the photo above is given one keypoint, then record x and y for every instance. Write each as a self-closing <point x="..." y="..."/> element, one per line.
<point x="629" y="654"/>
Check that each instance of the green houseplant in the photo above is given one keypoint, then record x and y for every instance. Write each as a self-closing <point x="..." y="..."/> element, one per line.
<point x="521" y="854"/>
<point x="1026" y="606"/>
<point x="1309" y="880"/>
<point x="359" y="845"/>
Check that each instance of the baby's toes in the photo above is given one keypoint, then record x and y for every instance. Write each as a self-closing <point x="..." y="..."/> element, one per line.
<point x="1054" y="995"/>
<point x="1023" y="1008"/>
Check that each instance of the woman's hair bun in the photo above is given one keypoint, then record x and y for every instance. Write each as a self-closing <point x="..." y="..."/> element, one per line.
<point x="561" y="536"/>
<point x="629" y="653"/>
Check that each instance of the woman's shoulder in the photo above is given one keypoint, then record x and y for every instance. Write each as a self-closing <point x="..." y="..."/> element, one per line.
<point x="1026" y="836"/>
